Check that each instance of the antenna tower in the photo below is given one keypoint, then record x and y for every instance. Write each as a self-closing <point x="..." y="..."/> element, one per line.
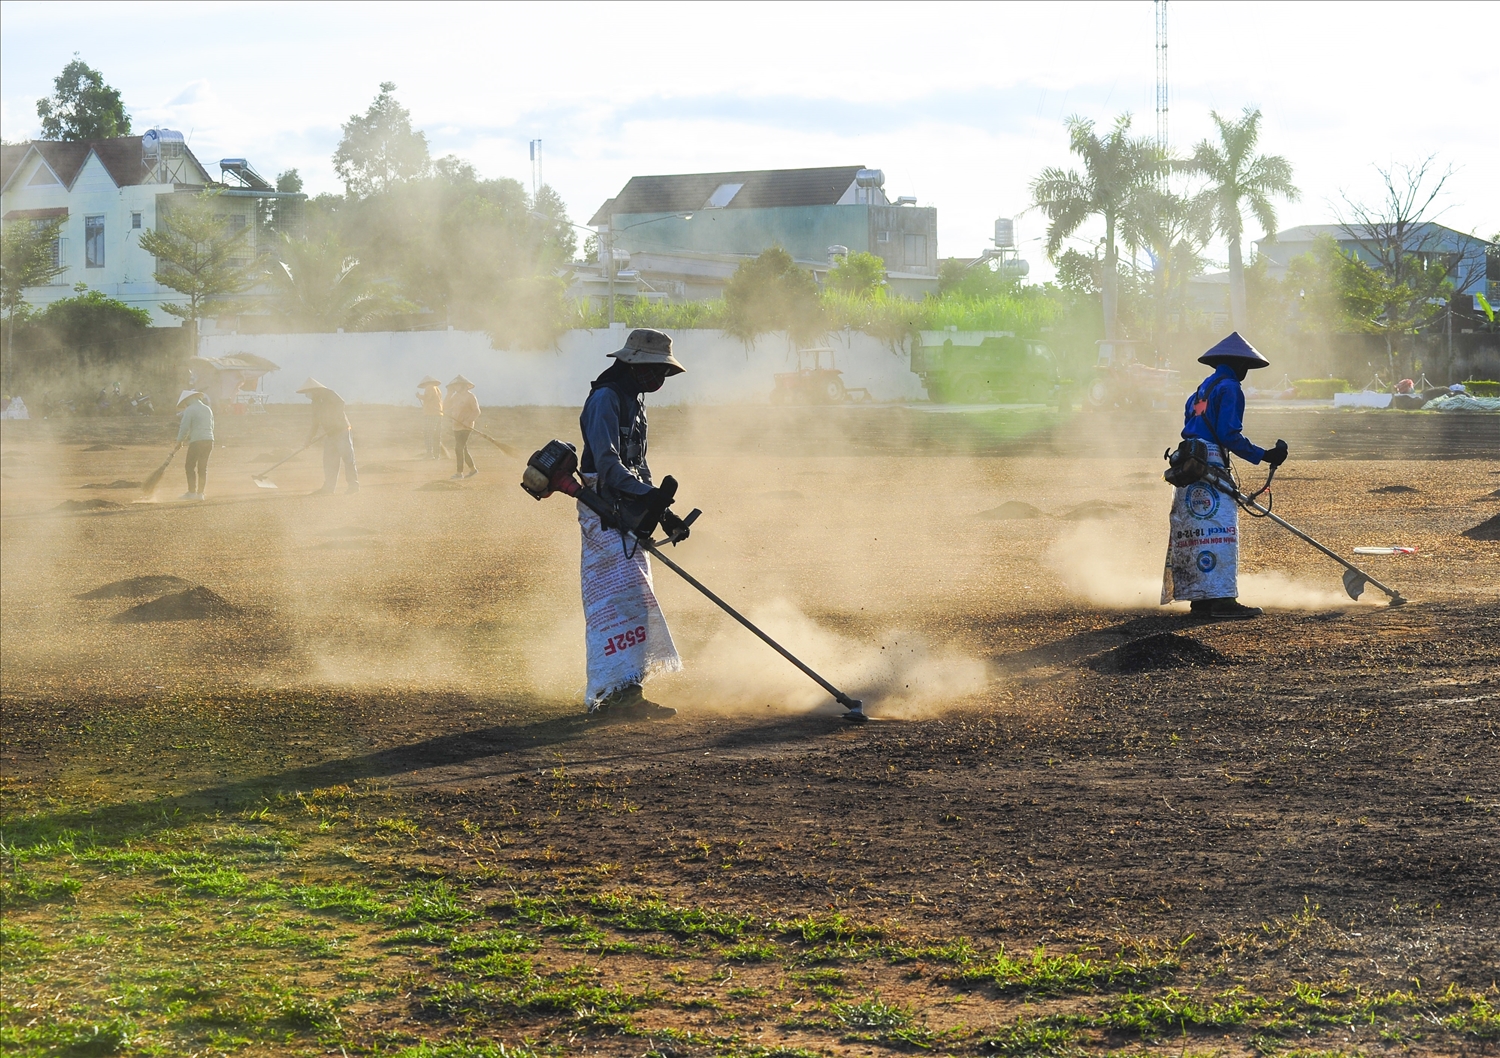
<point x="536" y="167"/>
<point x="1161" y="74"/>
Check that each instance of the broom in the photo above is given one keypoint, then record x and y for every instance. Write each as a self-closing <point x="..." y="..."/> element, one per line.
<point x="149" y="485"/>
<point x="507" y="449"/>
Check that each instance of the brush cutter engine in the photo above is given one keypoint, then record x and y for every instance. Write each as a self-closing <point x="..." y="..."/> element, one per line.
<point x="1187" y="464"/>
<point x="551" y="469"/>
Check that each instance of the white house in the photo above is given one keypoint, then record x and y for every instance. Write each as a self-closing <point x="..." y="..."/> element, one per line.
<point x="108" y="191"/>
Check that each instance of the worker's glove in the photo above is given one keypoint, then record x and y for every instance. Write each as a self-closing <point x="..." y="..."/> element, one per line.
<point x="1277" y="455"/>
<point x="640" y="514"/>
<point x="675" y="527"/>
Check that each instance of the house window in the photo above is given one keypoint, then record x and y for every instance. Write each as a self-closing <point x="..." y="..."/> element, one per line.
<point x="882" y="236"/>
<point x="236" y="221"/>
<point x="916" y="249"/>
<point x="93" y="242"/>
<point x="722" y="196"/>
<point x="135" y="220"/>
<point x="56" y="249"/>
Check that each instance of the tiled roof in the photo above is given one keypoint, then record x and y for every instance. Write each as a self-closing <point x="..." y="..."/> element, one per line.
<point x="120" y="156"/>
<point x="763" y="188"/>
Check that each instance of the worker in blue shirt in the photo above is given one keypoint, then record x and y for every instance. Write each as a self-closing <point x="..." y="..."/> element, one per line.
<point x="627" y="636"/>
<point x="1203" y="553"/>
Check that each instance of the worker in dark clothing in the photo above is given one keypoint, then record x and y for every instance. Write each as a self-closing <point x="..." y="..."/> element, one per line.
<point x="1203" y="552"/>
<point x="338" y="439"/>
<point x="628" y="639"/>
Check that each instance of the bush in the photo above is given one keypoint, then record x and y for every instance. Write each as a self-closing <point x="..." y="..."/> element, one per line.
<point x="1482" y="387"/>
<point x="1320" y="388"/>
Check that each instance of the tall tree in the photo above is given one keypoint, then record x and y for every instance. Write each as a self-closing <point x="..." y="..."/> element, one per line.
<point x="1239" y="178"/>
<point x="28" y="258"/>
<point x="199" y="255"/>
<point x="82" y="106"/>
<point x="1413" y="267"/>
<point x="379" y="148"/>
<point x="1117" y="167"/>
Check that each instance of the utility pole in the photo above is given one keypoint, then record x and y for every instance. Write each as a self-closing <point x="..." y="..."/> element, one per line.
<point x="1161" y="75"/>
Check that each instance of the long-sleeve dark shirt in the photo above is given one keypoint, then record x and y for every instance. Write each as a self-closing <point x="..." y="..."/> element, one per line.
<point x="1220" y="419"/>
<point x="614" y="436"/>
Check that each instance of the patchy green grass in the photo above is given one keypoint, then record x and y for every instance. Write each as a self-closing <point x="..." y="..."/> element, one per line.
<point x="335" y="920"/>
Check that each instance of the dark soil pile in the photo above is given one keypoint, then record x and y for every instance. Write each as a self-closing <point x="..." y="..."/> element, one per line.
<point x="134" y="587"/>
<point x="118" y="483"/>
<point x="70" y="506"/>
<point x="1489" y="529"/>
<point x="195" y="604"/>
<point x="1165" y="650"/>
<point x="1010" y="509"/>
<point x="440" y="486"/>
<point x="1094" y="509"/>
<point x="101" y="447"/>
<point x="1392" y="488"/>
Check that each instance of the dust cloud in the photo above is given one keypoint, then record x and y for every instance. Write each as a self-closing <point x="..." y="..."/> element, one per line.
<point x="901" y="673"/>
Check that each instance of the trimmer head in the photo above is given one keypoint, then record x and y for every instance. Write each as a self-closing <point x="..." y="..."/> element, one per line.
<point x="262" y="483"/>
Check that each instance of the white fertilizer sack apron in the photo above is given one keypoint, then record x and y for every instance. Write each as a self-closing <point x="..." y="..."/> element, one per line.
<point x="628" y="639"/>
<point x="1203" y="554"/>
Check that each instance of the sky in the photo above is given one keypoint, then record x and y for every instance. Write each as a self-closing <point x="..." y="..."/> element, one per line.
<point x="960" y="104"/>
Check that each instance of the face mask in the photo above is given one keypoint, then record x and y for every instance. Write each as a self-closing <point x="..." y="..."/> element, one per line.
<point x="650" y="377"/>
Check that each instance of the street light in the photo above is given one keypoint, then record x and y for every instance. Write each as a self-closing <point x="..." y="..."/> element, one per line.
<point x="609" y="231"/>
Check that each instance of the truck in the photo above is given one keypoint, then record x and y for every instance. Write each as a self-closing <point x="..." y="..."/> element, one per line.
<point x="985" y="367"/>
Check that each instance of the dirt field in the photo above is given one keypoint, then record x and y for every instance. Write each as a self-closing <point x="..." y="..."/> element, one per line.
<point x="356" y="808"/>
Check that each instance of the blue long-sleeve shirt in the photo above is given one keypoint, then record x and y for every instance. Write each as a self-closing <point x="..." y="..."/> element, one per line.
<point x="1222" y="413"/>
<point x="614" y="437"/>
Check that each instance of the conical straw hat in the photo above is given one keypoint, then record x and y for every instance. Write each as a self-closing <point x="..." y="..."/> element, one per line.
<point x="186" y="394"/>
<point x="428" y="380"/>
<point x="462" y="382"/>
<point x="310" y="385"/>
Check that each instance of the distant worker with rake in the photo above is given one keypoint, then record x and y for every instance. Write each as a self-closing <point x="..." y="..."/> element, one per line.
<point x="1203" y="552"/>
<point x="197" y="430"/>
<point x="463" y="409"/>
<point x="338" y="441"/>
<point x="628" y="638"/>
<point x="430" y="393"/>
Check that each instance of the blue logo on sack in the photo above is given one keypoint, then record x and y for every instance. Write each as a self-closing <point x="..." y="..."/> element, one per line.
<point x="1202" y="500"/>
<point x="1207" y="561"/>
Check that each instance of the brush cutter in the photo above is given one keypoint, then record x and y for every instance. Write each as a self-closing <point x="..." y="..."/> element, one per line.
<point x="154" y="479"/>
<point x="552" y="470"/>
<point x="260" y="479"/>
<point x="1189" y="463"/>
<point x="507" y="449"/>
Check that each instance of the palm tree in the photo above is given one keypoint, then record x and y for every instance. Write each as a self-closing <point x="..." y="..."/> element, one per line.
<point x="1237" y="175"/>
<point x="320" y="286"/>
<point x="1116" y="168"/>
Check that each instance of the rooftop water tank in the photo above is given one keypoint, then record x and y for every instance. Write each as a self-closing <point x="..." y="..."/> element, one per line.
<point x="870" y="178"/>
<point x="1005" y="234"/>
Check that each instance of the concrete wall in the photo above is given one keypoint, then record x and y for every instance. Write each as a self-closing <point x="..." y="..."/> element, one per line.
<point x="383" y="367"/>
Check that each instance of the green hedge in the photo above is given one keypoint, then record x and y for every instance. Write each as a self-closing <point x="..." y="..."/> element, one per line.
<point x="1482" y="387"/>
<point x="1320" y="388"/>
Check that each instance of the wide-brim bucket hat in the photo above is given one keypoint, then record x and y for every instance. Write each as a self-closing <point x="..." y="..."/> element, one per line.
<point x="187" y="395"/>
<point x="647" y="346"/>
<point x="460" y="383"/>
<point x="428" y="380"/>
<point x="311" y="385"/>
<point x="1234" y="349"/>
